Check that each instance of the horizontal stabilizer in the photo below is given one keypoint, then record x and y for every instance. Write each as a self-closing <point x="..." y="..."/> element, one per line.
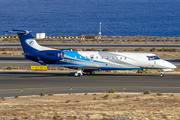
<point x="19" y="31"/>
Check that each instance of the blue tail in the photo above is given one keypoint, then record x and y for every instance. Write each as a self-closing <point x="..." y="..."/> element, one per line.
<point x="32" y="50"/>
<point x="27" y="41"/>
<point x="29" y="44"/>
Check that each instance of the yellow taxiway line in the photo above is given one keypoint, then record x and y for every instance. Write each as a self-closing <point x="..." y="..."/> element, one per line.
<point x="71" y="88"/>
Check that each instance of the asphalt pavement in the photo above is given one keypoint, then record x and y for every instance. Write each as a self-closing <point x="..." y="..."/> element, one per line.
<point x="33" y="83"/>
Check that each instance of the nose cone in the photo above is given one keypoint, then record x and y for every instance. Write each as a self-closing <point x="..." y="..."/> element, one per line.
<point x="169" y="65"/>
<point x="173" y="66"/>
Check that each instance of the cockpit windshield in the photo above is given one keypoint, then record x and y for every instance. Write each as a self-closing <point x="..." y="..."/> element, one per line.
<point x="153" y="57"/>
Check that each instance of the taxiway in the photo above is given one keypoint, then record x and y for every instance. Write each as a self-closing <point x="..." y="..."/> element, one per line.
<point x="33" y="83"/>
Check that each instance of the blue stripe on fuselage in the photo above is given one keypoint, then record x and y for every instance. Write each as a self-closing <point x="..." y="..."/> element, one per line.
<point x="114" y="68"/>
<point x="74" y="54"/>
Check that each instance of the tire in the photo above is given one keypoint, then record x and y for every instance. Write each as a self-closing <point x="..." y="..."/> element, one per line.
<point x="76" y="74"/>
<point x="162" y="75"/>
<point x="88" y="73"/>
<point x="92" y="73"/>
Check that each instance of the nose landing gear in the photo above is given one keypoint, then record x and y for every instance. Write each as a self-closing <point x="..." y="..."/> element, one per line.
<point x="162" y="75"/>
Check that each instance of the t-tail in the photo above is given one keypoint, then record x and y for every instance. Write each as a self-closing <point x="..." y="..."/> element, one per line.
<point x="30" y="47"/>
<point x="29" y="44"/>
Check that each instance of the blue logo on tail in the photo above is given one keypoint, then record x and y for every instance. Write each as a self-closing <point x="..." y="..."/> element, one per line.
<point x="31" y="42"/>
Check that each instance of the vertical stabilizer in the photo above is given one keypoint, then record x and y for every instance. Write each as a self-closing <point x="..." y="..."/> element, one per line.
<point x="29" y="44"/>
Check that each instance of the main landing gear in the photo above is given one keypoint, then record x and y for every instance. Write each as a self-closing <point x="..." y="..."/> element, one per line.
<point x="90" y="73"/>
<point x="79" y="72"/>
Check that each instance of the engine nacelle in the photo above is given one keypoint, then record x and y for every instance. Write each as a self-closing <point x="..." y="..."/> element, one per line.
<point x="50" y="56"/>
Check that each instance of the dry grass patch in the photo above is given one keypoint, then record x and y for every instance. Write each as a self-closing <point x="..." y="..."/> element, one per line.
<point x="106" y="97"/>
<point x="159" y="94"/>
<point x="94" y="98"/>
<point x="50" y="94"/>
<point x="42" y="94"/>
<point x="112" y="91"/>
<point x="3" y="98"/>
<point x="147" y="92"/>
<point x="55" y="117"/>
<point x="16" y="119"/>
<point x="16" y="96"/>
<point x="118" y="96"/>
<point x="68" y="101"/>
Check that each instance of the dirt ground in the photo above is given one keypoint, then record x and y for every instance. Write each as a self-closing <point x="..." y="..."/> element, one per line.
<point x="94" y="106"/>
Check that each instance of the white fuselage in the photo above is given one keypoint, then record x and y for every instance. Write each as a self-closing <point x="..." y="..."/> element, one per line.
<point x="119" y="60"/>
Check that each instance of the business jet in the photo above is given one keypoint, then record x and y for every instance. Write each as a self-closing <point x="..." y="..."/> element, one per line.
<point x="89" y="61"/>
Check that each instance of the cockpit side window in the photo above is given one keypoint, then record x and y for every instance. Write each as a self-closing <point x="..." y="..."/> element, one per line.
<point x="153" y="57"/>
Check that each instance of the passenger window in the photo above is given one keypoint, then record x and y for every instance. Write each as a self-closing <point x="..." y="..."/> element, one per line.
<point x="92" y="56"/>
<point x="116" y="58"/>
<point x="101" y="57"/>
<point x="96" y="57"/>
<point x="107" y="58"/>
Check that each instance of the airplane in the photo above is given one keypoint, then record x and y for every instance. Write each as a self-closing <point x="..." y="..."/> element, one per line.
<point x="89" y="61"/>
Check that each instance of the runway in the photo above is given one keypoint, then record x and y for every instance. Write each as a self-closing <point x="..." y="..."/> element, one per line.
<point x="18" y="61"/>
<point x="83" y="45"/>
<point x="33" y="83"/>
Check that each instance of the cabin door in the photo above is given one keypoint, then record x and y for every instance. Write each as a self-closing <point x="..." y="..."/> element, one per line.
<point x="92" y="58"/>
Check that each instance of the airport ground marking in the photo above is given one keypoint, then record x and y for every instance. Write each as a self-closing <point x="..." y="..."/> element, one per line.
<point x="123" y="87"/>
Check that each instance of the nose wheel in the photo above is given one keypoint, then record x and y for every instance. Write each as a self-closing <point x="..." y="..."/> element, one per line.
<point x="162" y="75"/>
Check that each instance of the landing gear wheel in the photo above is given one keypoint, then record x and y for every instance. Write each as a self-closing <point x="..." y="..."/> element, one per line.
<point x="162" y="75"/>
<point x="91" y="73"/>
<point x="79" y="72"/>
<point x="87" y="73"/>
<point x="76" y="74"/>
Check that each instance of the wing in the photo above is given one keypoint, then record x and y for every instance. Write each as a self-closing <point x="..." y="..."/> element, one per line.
<point x="76" y="66"/>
